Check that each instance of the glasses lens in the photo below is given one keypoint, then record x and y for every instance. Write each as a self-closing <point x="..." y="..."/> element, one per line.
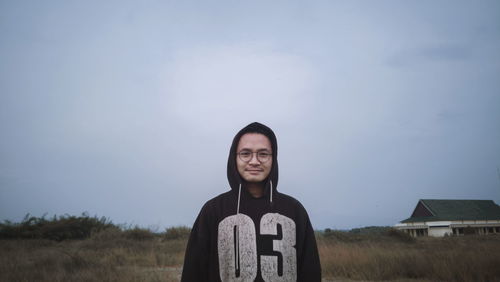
<point x="263" y="156"/>
<point x="245" y="156"/>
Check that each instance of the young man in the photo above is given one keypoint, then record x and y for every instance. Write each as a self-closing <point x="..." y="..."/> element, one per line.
<point x="253" y="232"/>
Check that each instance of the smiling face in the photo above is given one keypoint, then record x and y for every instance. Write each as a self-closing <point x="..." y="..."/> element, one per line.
<point x="254" y="170"/>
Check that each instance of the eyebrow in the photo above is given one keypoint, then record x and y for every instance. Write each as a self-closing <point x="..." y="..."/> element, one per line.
<point x="259" y="150"/>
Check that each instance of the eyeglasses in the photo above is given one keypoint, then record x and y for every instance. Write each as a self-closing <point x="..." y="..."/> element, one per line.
<point x="262" y="156"/>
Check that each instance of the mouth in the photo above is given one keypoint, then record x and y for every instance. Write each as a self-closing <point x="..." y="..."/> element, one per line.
<point x="254" y="171"/>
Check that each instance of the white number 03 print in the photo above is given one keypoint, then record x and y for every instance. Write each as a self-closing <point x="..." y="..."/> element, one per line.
<point x="237" y="247"/>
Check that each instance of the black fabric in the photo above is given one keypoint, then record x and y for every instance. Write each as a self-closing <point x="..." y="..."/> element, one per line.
<point x="201" y="261"/>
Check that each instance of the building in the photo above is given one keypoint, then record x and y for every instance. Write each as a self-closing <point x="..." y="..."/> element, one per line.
<point x="439" y="218"/>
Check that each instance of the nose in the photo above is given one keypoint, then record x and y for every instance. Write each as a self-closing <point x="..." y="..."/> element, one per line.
<point x="254" y="160"/>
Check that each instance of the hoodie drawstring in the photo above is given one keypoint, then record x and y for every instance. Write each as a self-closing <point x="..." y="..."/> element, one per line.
<point x="271" y="197"/>
<point x="237" y="239"/>
<point x="239" y="195"/>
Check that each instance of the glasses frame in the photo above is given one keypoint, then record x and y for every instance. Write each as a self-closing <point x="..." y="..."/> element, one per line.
<point x="256" y="154"/>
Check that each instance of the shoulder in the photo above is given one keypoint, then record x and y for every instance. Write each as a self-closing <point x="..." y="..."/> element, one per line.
<point x="217" y="202"/>
<point x="289" y="200"/>
<point x="296" y="211"/>
<point x="291" y="206"/>
<point x="219" y="198"/>
<point x="211" y="210"/>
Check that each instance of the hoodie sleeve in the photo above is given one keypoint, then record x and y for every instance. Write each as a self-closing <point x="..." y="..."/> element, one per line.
<point x="196" y="257"/>
<point x="309" y="267"/>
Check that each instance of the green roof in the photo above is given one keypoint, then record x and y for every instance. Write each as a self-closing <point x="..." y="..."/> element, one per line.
<point x="445" y="210"/>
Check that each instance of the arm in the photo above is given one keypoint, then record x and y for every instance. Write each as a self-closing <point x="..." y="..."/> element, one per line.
<point x="197" y="251"/>
<point x="309" y="267"/>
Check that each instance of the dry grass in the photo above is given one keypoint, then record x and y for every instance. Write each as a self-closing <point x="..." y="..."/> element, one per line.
<point x="96" y="259"/>
<point x="474" y="258"/>
<point x="114" y="255"/>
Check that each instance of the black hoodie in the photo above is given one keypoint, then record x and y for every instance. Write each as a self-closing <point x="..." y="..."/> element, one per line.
<point x="237" y="237"/>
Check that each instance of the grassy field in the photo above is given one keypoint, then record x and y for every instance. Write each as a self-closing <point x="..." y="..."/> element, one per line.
<point x="104" y="257"/>
<point x="391" y="256"/>
<point x="135" y="254"/>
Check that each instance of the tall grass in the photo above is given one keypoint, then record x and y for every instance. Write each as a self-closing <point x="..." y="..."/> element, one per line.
<point x="84" y="248"/>
<point x="115" y="253"/>
<point x="109" y="255"/>
<point x="391" y="256"/>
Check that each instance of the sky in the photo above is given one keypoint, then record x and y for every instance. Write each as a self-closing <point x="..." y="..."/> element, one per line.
<point x="127" y="109"/>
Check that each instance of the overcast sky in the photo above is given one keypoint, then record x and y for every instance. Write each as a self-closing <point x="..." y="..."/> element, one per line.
<point x="127" y="109"/>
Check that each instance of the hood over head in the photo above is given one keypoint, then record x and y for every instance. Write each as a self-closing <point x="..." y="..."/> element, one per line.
<point x="233" y="175"/>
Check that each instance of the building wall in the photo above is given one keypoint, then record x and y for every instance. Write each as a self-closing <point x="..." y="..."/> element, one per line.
<point x="438" y="223"/>
<point x="472" y="222"/>
<point x="441" y="228"/>
<point x="439" y="231"/>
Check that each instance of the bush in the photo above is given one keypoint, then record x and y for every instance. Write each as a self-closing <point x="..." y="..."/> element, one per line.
<point x="371" y="230"/>
<point x="469" y="231"/>
<point x="367" y="234"/>
<point x="180" y="232"/>
<point x="400" y="235"/>
<point x="58" y="228"/>
<point x="138" y="234"/>
<point x="108" y="234"/>
<point x="338" y="235"/>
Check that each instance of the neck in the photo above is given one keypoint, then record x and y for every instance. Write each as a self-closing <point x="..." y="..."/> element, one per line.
<point x="255" y="189"/>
